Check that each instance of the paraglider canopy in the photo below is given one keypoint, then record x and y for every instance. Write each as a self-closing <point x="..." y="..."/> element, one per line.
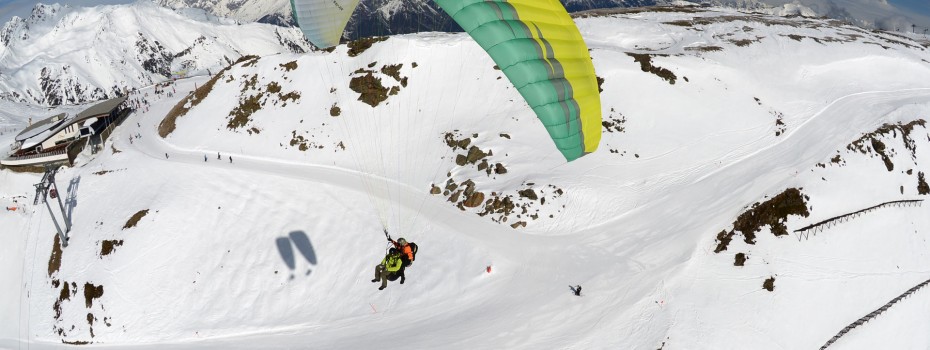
<point x="534" y="42"/>
<point x="323" y="21"/>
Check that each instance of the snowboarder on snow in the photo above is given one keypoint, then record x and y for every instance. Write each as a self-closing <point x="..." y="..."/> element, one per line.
<point x="389" y="269"/>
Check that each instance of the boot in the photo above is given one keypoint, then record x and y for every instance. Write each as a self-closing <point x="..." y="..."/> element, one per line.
<point x="374" y="280"/>
<point x="381" y="288"/>
<point x="402" y="278"/>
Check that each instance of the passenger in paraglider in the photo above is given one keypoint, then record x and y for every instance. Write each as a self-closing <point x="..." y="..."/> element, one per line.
<point x="390" y="269"/>
<point x="406" y="253"/>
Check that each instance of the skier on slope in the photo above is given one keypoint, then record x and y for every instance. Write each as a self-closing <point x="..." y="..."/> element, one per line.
<point x="389" y="269"/>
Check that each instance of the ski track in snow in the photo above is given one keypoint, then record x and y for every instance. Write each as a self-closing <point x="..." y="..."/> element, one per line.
<point x="838" y="111"/>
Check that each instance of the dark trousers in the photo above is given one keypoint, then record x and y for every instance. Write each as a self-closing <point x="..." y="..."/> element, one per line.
<point x="382" y="274"/>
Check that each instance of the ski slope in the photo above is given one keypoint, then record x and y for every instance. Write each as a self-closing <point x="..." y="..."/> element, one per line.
<point x="206" y="267"/>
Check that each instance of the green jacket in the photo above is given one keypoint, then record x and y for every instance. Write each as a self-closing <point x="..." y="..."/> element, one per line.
<point x="392" y="262"/>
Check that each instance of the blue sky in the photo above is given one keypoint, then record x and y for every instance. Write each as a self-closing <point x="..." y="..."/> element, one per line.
<point x="917" y="6"/>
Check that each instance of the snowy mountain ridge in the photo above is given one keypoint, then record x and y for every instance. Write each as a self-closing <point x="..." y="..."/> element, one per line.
<point x="48" y="59"/>
<point x="39" y="62"/>
<point x="380" y="17"/>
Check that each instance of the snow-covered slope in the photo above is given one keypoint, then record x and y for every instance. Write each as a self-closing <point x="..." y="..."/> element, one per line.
<point x="722" y="131"/>
<point x="61" y="55"/>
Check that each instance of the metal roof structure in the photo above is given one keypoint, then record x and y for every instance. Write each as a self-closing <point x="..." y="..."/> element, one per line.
<point x="97" y="110"/>
<point x="39" y="126"/>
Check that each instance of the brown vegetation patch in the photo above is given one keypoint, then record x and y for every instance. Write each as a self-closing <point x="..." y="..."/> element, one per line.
<point x="302" y="143"/>
<point x="739" y="259"/>
<point x="871" y="142"/>
<point x="769" y="284"/>
<point x="710" y="48"/>
<point x="167" y="125"/>
<point x="474" y="200"/>
<point x="135" y="219"/>
<point x="54" y="261"/>
<point x="64" y="294"/>
<point x="108" y="246"/>
<point x="779" y="123"/>
<point x="357" y="47"/>
<point x="292" y="96"/>
<point x="473" y="155"/>
<point x="273" y="87"/>
<point x="522" y="205"/>
<point x="250" y="61"/>
<point x="454" y="143"/>
<point x="90" y="321"/>
<point x="680" y="23"/>
<point x="746" y="42"/>
<point x="645" y="63"/>
<point x="370" y="89"/>
<point x="292" y="65"/>
<point x="528" y="193"/>
<point x="600" y="84"/>
<point x="773" y="213"/>
<point x="922" y="187"/>
<point x="242" y="114"/>
<point x="612" y="124"/>
<point x="335" y="111"/>
<point x="91" y="292"/>
<point x="249" y="83"/>
<point x="392" y="71"/>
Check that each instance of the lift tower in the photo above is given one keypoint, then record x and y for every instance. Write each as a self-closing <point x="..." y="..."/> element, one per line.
<point x="42" y="191"/>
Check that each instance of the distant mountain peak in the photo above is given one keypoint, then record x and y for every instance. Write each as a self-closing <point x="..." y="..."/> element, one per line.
<point x="61" y="55"/>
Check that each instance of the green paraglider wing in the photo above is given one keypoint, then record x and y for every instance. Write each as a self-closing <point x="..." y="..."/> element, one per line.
<point x="539" y="48"/>
<point x="323" y="21"/>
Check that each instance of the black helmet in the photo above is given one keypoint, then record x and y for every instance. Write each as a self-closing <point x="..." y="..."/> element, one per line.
<point x="392" y="251"/>
<point x="402" y="241"/>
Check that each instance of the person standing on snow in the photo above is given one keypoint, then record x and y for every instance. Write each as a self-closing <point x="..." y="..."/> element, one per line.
<point x="389" y="269"/>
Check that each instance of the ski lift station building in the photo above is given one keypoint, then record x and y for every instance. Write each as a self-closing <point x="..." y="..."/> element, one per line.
<point x="59" y="138"/>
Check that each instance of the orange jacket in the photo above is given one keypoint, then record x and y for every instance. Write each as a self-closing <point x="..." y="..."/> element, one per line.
<point x="405" y="249"/>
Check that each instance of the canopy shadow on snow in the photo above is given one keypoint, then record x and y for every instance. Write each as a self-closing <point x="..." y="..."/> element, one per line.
<point x="300" y="240"/>
<point x="287" y="253"/>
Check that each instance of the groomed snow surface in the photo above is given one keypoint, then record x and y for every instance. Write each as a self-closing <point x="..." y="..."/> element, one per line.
<point x="276" y="248"/>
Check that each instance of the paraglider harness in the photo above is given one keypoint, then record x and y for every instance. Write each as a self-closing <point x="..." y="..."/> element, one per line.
<point x="413" y="248"/>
